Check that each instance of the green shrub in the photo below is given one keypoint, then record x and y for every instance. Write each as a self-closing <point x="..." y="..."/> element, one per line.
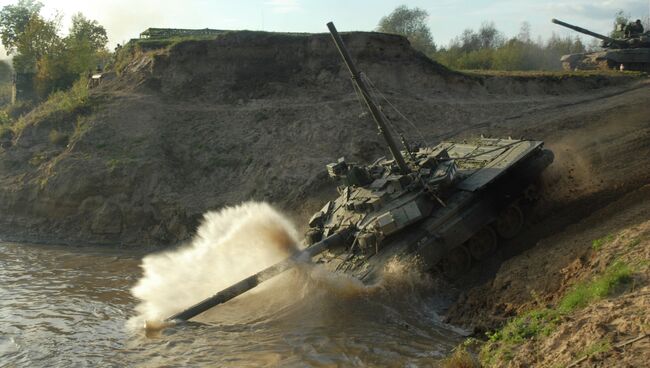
<point x="19" y="109"/>
<point x="60" y="106"/>
<point x="58" y="138"/>
<point x="71" y="100"/>
<point x="5" y="119"/>
<point x="6" y="133"/>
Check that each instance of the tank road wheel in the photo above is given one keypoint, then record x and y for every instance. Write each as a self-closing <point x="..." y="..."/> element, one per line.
<point x="510" y="222"/>
<point x="456" y="262"/>
<point x="483" y="243"/>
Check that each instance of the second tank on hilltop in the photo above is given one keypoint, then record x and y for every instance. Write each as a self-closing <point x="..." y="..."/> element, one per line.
<point x="628" y="53"/>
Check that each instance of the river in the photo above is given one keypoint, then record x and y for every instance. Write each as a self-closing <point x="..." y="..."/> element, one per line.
<point x="64" y="306"/>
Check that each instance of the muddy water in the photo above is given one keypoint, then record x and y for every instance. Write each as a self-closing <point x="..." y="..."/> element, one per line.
<point x="69" y="306"/>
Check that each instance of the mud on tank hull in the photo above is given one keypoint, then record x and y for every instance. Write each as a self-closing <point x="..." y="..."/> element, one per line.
<point x="637" y="59"/>
<point x="476" y="215"/>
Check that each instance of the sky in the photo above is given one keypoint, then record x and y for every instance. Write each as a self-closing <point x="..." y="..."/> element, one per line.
<point x="125" y="19"/>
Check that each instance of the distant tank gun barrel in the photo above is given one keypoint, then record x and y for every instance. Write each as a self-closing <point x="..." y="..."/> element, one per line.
<point x="379" y="117"/>
<point x="252" y="281"/>
<point x="586" y="31"/>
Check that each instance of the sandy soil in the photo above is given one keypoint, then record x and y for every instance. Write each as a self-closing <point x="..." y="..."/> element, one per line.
<point x="539" y="277"/>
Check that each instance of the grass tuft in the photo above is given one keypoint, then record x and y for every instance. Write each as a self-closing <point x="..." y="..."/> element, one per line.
<point x="538" y="322"/>
<point x="542" y="322"/>
<point x="532" y="324"/>
<point x="634" y="242"/>
<point x="599" y="243"/>
<point x="597" y="347"/>
<point x="605" y="285"/>
<point x="461" y="358"/>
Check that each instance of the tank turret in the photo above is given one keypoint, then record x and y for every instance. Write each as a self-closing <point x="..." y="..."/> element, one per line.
<point x="634" y="41"/>
<point x="606" y="40"/>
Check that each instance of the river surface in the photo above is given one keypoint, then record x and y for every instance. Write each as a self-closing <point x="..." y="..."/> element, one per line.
<point x="63" y="306"/>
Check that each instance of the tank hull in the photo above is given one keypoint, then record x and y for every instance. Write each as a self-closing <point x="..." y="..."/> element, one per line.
<point x="613" y="59"/>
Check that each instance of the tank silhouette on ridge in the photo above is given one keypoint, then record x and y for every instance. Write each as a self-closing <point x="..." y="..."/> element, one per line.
<point x="628" y="53"/>
<point x="441" y="207"/>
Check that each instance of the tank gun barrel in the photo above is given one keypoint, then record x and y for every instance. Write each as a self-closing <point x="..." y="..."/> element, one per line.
<point x="379" y="117"/>
<point x="585" y="31"/>
<point x="264" y="275"/>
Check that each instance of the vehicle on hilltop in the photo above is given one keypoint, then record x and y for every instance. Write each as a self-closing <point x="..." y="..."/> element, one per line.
<point x="627" y="53"/>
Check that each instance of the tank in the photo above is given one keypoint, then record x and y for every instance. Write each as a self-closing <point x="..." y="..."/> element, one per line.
<point x="450" y="209"/>
<point x="441" y="207"/>
<point x="628" y="53"/>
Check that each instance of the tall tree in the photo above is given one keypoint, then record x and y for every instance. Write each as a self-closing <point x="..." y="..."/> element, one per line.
<point x="524" y="32"/>
<point x="620" y="20"/>
<point x="37" y="47"/>
<point x="85" y="44"/>
<point x="80" y="52"/>
<point x="39" y="38"/>
<point x="84" y="30"/>
<point x="489" y="36"/>
<point x="14" y="20"/>
<point x="410" y="23"/>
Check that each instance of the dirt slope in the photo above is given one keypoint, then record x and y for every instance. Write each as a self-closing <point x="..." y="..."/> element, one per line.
<point x="596" y="190"/>
<point x="249" y="115"/>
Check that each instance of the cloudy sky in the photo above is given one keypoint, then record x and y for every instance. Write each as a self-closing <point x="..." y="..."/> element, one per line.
<point x="125" y="19"/>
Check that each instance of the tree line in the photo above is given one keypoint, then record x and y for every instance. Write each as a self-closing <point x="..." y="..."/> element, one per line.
<point x="488" y="48"/>
<point x="38" y="48"/>
<point x="57" y="61"/>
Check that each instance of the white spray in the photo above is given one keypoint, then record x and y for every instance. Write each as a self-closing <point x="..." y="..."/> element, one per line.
<point x="229" y="246"/>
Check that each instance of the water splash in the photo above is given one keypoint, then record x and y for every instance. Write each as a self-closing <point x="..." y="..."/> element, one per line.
<point x="230" y="245"/>
<point x="236" y="242"/>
